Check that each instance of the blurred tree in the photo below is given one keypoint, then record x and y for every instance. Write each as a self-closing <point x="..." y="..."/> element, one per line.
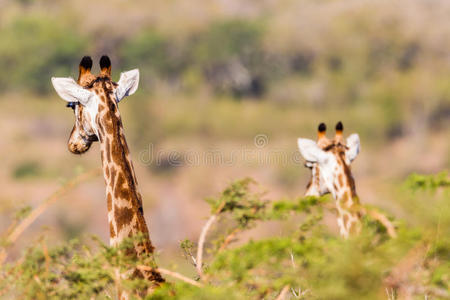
<point x="35" y="48"/>
<point x="156" y="55"/>
<point x="231" y="57"/>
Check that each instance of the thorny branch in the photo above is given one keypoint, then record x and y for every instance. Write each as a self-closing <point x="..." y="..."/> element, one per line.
<point x="201" y="242"/>
<point x="173" y="274"/>
<point x="283" y="293"/>
<point x="382" y="219"/>
<point x="201" y="239"/>
<point x="229" y="238"/>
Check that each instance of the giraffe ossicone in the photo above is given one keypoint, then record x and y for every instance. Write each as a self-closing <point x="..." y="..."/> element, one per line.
<point x="329" y="161"/>
<point x="94" y="100"/>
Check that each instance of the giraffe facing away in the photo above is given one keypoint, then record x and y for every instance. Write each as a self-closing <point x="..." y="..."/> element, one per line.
<point x="329" y="161"/>
<point x="94" y="100"/>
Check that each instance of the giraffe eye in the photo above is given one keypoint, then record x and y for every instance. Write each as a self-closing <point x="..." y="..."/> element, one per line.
<point x="72" y="105"/>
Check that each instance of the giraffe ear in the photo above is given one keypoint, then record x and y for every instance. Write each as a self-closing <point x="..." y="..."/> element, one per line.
<point x="128" y="84"/>
<point x="310" y="151"/>
<point x="70" y="91"/>
<point x="353" y="147"/>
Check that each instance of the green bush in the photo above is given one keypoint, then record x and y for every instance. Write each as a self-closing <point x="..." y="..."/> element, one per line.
<point x="309" y="263"/>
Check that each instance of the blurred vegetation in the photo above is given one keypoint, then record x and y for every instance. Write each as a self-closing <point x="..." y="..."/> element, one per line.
<point x="424" y="182"/>
<point x="27" y="170"/>
<point x="33" y="48"/>
<point x="309" y="262"/>
<point x="365" y="57"/>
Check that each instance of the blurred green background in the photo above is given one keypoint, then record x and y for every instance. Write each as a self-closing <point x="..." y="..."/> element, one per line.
<point x="214" y="75"/>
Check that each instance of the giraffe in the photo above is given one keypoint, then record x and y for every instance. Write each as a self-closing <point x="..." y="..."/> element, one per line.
<point x="329" y="161"/>
<point x="94" y="100"/>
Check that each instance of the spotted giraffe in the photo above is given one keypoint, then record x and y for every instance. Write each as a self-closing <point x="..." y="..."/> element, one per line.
<point x="329" y="161"/>
<point x="94" y="100"/>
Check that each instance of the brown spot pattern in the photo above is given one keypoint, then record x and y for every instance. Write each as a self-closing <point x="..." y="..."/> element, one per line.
<point x="123" y="216"/>
<point x="112" y="233"/>
<point x="109" y="201"/>
<point x="108" y="151"/>
<point x="113" y="175"/>
<point x="101" y="129"/>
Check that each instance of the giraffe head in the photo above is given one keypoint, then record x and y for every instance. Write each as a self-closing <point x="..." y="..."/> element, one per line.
<point x="330" y="162"/>
<point x="87" y="96"/>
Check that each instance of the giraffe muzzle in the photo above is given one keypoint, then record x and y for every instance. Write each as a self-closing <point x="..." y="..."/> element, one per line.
<point x="80" y="144"/>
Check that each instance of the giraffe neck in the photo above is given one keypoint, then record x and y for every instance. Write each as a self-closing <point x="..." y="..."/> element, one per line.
<point x="125" y="213"/>
<point x="347" y="204"/>
<point x="313" y="187"/>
